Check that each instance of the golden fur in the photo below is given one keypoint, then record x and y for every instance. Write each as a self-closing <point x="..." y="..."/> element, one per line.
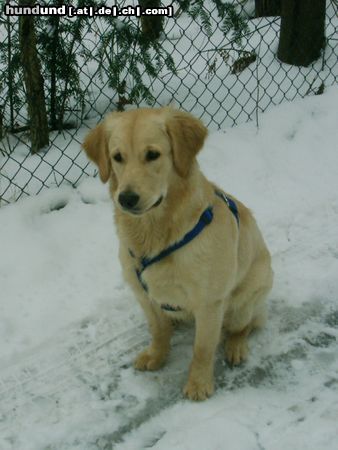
<point x="221" y="278"/>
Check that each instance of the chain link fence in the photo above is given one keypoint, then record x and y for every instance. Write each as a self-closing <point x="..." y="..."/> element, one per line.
<point x="224" y="71"/>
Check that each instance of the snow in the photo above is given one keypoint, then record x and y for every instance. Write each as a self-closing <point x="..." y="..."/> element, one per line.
<point x="70" y="328"/>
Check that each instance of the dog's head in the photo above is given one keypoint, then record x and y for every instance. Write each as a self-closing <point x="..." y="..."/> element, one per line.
<point x="140" y="150"/>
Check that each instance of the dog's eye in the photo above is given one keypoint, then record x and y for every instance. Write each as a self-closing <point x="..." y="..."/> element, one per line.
<point x="151" y="155"/>
<point x="118" y="157"/>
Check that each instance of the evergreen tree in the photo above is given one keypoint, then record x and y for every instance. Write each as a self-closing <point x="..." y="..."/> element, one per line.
<point x="127" y="58"/>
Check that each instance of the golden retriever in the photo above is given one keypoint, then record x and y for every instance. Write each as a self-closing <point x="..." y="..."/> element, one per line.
<point x="220" y="277"/>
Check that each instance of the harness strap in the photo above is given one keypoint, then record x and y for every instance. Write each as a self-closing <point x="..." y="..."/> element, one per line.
<point x="205" y="219"/>
<point x="231" y="204"/>
<point x="145" y="262"/>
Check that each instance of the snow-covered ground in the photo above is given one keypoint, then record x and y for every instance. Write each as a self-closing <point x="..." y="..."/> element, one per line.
<point x="70" y="328"/>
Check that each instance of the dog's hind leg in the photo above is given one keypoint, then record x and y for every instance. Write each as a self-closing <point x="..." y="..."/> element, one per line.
<point x="236" y="347"/>
<point x="247" y="310"/>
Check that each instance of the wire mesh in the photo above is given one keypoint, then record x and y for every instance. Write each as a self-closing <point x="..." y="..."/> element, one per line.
<point x="223" y="78"/>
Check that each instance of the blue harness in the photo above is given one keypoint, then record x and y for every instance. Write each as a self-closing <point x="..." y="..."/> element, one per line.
<point x="205" y="219"/>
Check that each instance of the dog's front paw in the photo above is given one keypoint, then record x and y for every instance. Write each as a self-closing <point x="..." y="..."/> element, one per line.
<point x="198" y="389"/>
<point x="149" y="360"/>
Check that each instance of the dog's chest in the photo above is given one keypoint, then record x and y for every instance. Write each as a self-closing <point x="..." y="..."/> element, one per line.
<point x="165" y="282"/>
<point x="166" y="287"/>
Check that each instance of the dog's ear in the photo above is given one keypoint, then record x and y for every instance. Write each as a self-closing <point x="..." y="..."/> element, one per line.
<point x="187" y="135"/>
<point x="96" y="147"/>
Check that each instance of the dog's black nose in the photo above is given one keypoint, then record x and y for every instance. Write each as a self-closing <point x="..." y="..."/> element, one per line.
<point x="128" y="199"/>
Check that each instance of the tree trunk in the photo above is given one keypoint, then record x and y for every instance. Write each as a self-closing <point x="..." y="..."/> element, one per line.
<point x="265" y="8"/>
<point x="53" y="68"/>
<point x="152" y="26"/>
<point x="302" y="33"/>
<point x="35" y="96"/>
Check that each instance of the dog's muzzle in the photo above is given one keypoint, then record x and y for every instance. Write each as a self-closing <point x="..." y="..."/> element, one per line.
<point x="129" y="200"/>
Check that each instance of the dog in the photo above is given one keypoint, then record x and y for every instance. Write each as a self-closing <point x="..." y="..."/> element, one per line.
<point x="187" y="249"/>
